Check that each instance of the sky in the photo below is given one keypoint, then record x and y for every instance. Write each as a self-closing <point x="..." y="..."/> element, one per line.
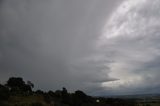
<point x="103" y="47"/>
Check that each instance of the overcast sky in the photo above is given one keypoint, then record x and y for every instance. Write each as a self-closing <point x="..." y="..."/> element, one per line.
<point x="103" y="47"/>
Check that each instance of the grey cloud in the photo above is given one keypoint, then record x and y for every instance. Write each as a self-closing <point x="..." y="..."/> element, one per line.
<point x="58" y="43"/>
<point x="43" y="40"/>
<point x="133" y="41"/>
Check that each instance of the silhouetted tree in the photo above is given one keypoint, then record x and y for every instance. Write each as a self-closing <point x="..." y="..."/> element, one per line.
<point x="29" y="83"/>
<point x="64" y="91"/>
<point x="80" y="94"/>
<point x="58" y="93"/>
<point x="27" y="88"/>
<point x="79" y="98"/>
<point x="49" y="96"/>
<point x="65" y="96"/>
<point x="4" y="92"/>
<point x="39" y="92"/>
<point x="17" y="84"/>
<point x="51" y="93"/>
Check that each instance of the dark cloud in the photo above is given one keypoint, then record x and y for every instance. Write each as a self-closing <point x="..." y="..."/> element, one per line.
<point x="50" y="42"/>
<point x="101" y="47"/>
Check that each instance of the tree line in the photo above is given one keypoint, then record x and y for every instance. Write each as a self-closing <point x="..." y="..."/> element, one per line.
<point x="16" y="86"/>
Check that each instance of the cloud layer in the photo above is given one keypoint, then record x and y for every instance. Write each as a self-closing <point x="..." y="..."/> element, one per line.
<point x="51" y="42"/>
<point x="131" y="41"/>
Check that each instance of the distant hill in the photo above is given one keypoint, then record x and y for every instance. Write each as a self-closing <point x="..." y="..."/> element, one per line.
<point x="136" y="96"/>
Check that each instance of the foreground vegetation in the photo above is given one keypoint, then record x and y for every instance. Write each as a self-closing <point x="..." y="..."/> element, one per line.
<point x="17" y="92"/>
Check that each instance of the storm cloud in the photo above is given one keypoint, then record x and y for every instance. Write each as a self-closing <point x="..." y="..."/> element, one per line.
<point x="50" y="42"/>
<point x="103" y="47"/>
